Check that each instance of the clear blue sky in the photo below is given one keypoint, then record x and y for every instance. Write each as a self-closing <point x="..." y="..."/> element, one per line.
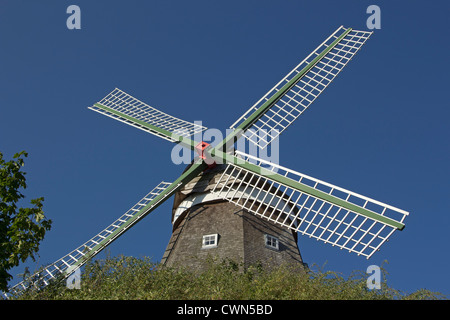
<point x="381" y="129"/>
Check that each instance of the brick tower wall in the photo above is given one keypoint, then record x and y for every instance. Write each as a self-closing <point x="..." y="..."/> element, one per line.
<point x="241" y="235"/>
<point x="240" y="238"/>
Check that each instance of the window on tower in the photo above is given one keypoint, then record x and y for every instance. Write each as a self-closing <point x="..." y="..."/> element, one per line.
<point x="210" y="241"/>
<point x="271" y="242"/>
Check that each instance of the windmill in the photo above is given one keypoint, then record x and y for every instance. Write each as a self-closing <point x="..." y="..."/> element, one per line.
<point x="286" y="198"/>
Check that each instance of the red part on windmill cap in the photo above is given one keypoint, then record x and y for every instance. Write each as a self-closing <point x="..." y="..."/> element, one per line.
<point x="200" y="148"/>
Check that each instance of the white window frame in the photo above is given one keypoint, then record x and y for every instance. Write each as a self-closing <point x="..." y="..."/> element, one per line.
<point x="271" y="242"/>
<point x="210" y="241"/>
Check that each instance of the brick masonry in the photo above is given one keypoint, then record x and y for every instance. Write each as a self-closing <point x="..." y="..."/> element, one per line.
<point x="241" y="238"/>
<point x="241" y="233"/>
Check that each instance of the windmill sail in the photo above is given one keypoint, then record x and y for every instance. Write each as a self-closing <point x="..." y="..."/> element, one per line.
<point x="127" y="109"/>
<point x="309" y="206"/>
<point x="290" y="97"/>
<point x="75" y="259"/>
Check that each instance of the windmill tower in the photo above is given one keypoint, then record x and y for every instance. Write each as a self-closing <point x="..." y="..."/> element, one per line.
<point x="206" y="225"/>
<point x="264" y="199"/>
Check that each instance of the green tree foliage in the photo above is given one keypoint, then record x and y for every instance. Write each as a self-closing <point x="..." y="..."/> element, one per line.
<point x="21" y="229"/>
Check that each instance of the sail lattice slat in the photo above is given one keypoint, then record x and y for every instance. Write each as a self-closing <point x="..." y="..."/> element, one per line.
<point x="314" y="214"/>
<point x="307" y="89"/>
<point x="75" y="259"/>
<point x="125" y="108"/>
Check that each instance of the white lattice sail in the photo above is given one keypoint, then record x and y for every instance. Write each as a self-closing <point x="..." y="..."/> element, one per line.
<point x="307" y="88"/>
<point x="127" y="109"/>
<point x="75" y="259"/>
<point x="310" y="206"/>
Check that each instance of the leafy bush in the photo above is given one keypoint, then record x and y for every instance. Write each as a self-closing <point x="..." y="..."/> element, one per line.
<point x="132" y="278"/>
